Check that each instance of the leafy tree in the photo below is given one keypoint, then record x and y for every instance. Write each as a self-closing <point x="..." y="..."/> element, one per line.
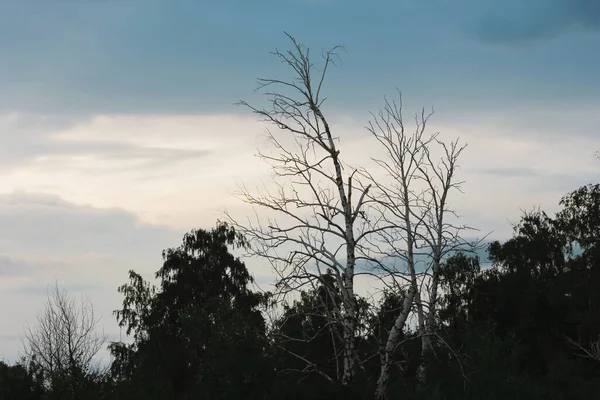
<point x="535" y="313"/>
<point x="198" y="334"/>
<point x="19" y="382"/>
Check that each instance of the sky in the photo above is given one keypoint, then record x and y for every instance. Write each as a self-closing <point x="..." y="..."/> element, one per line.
<point x="118" y="130"/>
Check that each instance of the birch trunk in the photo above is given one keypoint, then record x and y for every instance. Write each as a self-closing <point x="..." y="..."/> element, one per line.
<point x="416" y="215"/>
<point x="348" y="295"/>
<point x="309" y="177"/>
<point x="349" y="321"/>
<point x="392" y="344"/>
<point x="412" y="295"/>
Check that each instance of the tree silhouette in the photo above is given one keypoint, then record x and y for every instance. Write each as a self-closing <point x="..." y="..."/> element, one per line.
<point x="64" y="344"/>
<point x="199" y="333"/>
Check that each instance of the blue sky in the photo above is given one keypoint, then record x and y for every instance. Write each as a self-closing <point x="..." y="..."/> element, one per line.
<point x="118" y="132"/>
<point x="84" y="56"/>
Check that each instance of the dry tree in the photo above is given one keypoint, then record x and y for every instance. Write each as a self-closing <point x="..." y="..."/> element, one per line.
<point x="317" y="202"/>
<point x="65" y="342"/>
<point x="324" y="215"/>
<point x="417" y="229"/>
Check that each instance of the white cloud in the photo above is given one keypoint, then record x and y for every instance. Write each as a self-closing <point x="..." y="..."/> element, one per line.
<point x="151" y="164"/>
<point x="76" y="208"/>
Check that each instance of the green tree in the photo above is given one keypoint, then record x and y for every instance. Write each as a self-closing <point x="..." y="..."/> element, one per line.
<point x="19" y="382"/>
<point x="534" y="315"/>
<point x="198" y="334"/>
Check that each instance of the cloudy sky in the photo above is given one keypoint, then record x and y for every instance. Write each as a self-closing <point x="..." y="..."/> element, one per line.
<point x="118" y="133"/>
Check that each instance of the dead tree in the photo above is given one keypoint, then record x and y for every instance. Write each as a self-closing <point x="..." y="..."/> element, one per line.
<point x="591" y="350"/>
<point x="417" y="220"/>
<point x="317" y="204"/>
<point x="65" y="342"/>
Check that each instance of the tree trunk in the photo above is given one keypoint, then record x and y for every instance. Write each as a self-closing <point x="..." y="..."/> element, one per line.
<point x="392" y="343"/>
<point x="426" y="336"/>
<point x="426" y="344"/>
<point x="349" y="320"/>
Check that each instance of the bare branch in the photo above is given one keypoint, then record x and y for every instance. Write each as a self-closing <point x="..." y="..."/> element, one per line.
<point x="591" y="351"/>
<point x="312" y="198"/>
<point x="413" y="208"/>
<point x="65" y="341"/>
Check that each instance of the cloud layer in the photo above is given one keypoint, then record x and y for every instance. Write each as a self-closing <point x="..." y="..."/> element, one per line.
<point x="33" y="138"/>
<point x="514" y="22"/>
<point x="65" y="57"/>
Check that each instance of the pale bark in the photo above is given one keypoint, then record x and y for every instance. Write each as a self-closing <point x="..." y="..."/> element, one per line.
<point x="416" y="218"/>
<point x="324" y="219"/>
<point x="311" y="163"/>
<point x="591" y="350"/>
<point x="440" y="235"/>
<point x="392" y="344"/>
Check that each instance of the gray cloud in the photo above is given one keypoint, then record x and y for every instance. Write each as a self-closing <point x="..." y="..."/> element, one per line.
<point x="48" y="225"/>
<point x="8" y="337"/>
<point x="46" y="290"/>
<point x="511" y="172"/>
<point x="558" y="120"/>
<point x="537" y="178"/>
<point x="517" y="21"/>
<point x="27" y="137"/>
<point x="44" y="239"/>
<point x="13" y="266"/>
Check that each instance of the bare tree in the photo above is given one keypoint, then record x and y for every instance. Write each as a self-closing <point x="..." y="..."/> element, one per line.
<point x="327" y="219"/>
<point x="65" y="341"/>
<point x="591" y="350"/>
<point x="416" y="220"/>
<point x="319" y="223"/>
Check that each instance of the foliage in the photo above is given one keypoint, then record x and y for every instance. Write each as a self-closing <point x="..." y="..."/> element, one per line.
<point x="199" y="333"/>
<point x="19" y="382"/>
<point x="525" y="328"/>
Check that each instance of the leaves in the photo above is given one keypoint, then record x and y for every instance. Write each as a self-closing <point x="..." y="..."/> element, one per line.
<point x="190" y="329"/>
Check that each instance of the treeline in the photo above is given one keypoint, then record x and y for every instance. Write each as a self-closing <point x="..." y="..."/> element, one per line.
<point x="526" y="328"/>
